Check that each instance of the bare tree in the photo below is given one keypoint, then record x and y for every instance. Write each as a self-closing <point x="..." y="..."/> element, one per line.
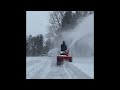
<point x="55" y="23"/>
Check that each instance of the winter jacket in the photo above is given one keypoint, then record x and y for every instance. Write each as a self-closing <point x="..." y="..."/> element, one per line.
<point x="63" y="47"/>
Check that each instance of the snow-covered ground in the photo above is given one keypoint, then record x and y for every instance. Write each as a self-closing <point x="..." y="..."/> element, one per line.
<point x="46" y="68"/>
<point x="86" y="64"/>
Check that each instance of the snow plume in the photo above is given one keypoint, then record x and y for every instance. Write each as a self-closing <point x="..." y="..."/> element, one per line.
<point x="80" y="40"/>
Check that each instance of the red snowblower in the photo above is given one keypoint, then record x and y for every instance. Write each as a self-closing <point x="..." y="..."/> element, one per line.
<point x="64" y="55"/>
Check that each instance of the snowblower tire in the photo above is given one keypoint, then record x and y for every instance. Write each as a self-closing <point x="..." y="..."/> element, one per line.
<point x="58" y="62"/>
<point x="70" y="60"/>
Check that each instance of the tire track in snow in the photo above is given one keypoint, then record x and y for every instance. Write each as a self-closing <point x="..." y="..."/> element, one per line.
<point x="29" y="63"/>
<point x="43" y="70"/>
<point x="59" y="72"/>
<point x="56" y="72"/>
<point x="67" y="73"/>
<point x="47" y="69"/>
<point x="73" y="76"/>
<point x="79" y="73"/>
<point x="33" y="69"/>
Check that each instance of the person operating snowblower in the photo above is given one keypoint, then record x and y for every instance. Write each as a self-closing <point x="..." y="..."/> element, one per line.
<point x="63" y="48"/>
<point x="64" y="55"/>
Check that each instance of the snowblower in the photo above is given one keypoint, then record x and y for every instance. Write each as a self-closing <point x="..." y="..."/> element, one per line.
<point x="64" y="55"/>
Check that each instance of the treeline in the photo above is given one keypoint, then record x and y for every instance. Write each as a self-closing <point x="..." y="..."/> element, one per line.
<point x="36" y="46"/>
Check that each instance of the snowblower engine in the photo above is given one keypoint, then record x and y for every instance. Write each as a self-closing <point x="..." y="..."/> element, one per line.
<point x="64" y="55"/>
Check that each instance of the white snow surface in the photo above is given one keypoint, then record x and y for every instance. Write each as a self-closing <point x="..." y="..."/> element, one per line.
<point x="86" y="64"/>
<point x="46" y="68"/>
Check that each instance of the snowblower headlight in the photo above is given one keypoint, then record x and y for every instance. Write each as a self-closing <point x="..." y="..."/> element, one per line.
<point x="62" y="52"/>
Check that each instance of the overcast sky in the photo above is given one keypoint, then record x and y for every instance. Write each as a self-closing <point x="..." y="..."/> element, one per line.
<point x="36" y="22"/>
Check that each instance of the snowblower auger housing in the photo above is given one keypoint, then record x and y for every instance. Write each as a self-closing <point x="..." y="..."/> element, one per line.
<point x="64" y="55"/>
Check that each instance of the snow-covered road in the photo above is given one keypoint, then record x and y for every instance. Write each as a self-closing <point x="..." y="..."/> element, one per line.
<point x="46" y="68"/>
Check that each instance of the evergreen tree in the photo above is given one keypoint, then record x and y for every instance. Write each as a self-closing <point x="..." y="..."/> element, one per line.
<point x="40" y="44"/>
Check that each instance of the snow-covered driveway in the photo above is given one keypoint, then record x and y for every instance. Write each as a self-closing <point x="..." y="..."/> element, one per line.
<point x="46" y="68"/>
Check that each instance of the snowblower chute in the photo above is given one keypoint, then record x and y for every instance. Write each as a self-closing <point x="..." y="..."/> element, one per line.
<point x="64" y="55"/>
